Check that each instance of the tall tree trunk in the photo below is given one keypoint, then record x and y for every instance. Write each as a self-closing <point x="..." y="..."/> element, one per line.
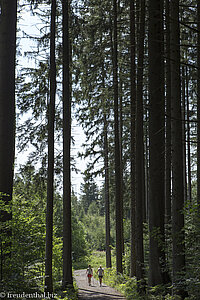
<point x="107" y="200"/>
<point x="67" y="239"/>
<point x="198" y="107"/>
<point x="168" y="122"/>
<point x="146" y="161"/>
<point x="177" y="154"/>
<point x="189" y="177"/>
<point x="121" y="155"/>
<point x="157" y="272"/>
<point x="118" y="188"/>
<point x="106" y="184"/>
<point x="50" y="180"/>
<point x="121" y="123"/>
<point x="140" y="178"/>
<point x="184" y="135"/>
<point x="8" y="17"/>
<point x="133" y="116"/>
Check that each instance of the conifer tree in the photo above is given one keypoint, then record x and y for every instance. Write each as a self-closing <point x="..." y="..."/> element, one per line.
<point x="198" y="106"/>
<point x="118" y="187"/>
<point x="168" y="120"/>
<point x="8" y="17"/>
<point x="50" y="179"/>
<point x="140" y="180"/>
<point x="177" y="154"/>
<point x="157" y="272"/>
<point x="106" y="184"/>
<point x="67" y="238"/>
<point x="133" y="117"/>
<point x="188" y="138"/>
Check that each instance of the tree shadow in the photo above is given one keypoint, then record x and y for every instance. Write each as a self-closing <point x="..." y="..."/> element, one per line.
<point x="90" y="294"/>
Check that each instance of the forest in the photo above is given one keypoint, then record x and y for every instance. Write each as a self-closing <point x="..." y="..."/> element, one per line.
<point x="126" y="76"/>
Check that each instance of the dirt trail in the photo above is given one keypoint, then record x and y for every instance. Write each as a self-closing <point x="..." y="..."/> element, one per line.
<point x="94" y="291"/>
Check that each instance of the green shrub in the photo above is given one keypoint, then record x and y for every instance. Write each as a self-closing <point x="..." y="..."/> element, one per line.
<point x="70" y="294"/>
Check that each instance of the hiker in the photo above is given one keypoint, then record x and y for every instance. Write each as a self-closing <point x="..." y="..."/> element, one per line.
<point x="100" y="273"/>
<point x="89" y="273"/>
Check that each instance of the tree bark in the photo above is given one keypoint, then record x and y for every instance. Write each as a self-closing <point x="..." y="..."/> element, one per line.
<point x="140" y="177"/>
<point x="184" y="135"/>
<point x="67" y="239"/>
<point x="146" y="161"/>
<point x="121" y="154"/>
<point x="8" y="17"/>
<point x="118" y="188"/>
<point x="189" y="177"/>
<point x="157" y="265"/>
<point x="50" y="179"/>
<point x="107" y="200"/>
<point x="7" y="97"/>
<point x="198" y="106"/>
<point x="168" y="122"/>
<point x="178" y="251"/>
<point x="106" y="184"/>
<point x="133" y="116"/>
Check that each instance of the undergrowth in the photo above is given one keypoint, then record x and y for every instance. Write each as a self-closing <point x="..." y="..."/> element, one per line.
<point x="126" y="285"/>
<point x="70" y="293"/>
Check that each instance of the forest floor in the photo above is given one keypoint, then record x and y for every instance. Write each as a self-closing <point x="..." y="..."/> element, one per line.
<point x="95" y="292"/>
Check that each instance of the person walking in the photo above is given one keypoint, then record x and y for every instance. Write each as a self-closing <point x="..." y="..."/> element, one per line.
<point x="89" y="273"/>
<point x="100" y="273"/>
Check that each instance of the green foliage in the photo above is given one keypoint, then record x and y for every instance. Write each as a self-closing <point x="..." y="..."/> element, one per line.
<point x="192" y="246"/>
<point x="29" y="232"/>
<point x="57" y="259"/>
<point x="129" y="288"/>
<point x="96" y="259"/>
<point x="81" y="264"/>
<point x="95" y="229"/>
<point x="123" y="283"/>
<point x="26" y="263"/>
<point x="24" y="267"/>
<point x="79" y="243"/>
<point x="90" y="193"/>
<point x="70" y="294"/>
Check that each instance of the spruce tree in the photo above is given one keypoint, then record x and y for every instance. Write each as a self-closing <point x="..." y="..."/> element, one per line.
<point x="133" y="118"/>
<point x="177" y="155"/>
<point x="67" y="231"/>
<point x="8" y="18"/>
<point x="198" y="106"/>
<point x="50" y="179"/>
<point x="118" y="187"/>
<point x="157" y="271"/>
<point x="140" y="179"/>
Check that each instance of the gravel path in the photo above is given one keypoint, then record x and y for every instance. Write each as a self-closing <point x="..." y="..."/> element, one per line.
<point x="94" y="291"/>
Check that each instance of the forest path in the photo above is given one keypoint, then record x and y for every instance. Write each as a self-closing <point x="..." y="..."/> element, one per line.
<point x="94" y="291"/>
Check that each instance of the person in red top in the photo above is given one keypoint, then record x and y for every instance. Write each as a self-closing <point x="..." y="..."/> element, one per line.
<point x="89" y="273"/>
